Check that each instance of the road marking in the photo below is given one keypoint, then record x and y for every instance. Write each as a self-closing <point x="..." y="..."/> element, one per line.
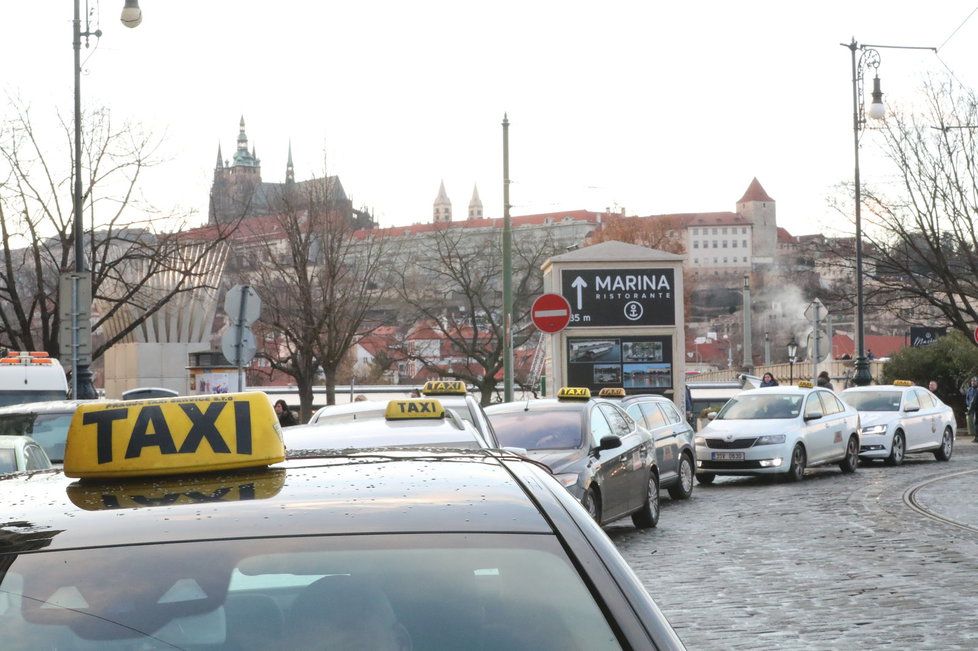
<point x="910" y="499"/>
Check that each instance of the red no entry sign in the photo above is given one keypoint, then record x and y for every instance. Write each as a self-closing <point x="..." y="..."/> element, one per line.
<point x="550" y="313"/>
<point x="976" y="331"/>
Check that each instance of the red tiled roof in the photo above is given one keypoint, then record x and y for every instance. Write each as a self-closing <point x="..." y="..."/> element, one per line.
<point x="784" y="237"/>
<point x="755" y="193"/>
<point x="703" y="218"/>
<point x="880" y="345"/>
<point x="516" y="221"/>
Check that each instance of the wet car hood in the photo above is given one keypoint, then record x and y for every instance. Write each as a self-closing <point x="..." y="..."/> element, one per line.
<point x="557" y="460"/>
<point x="722" y="428"/>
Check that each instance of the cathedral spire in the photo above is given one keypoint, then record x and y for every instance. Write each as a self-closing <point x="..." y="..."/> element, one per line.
<point x="242" y="137"/>
<point x="475" y="204"/>
<point x="289" y="170"/>
<point x="442" y="208"/>
<point x="220" y="159"/>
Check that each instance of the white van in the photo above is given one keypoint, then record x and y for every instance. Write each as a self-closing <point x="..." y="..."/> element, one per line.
<point x="31" y="377"/>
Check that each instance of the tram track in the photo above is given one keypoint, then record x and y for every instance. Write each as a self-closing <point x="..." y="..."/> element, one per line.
<point x="910" y="499"/>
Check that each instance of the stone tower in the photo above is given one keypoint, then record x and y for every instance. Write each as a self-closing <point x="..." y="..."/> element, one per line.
<point x="475" y="204"/>
<point x="758" y="208"/>
<point x="233" y="189"/>
<point x="442" y="209"/>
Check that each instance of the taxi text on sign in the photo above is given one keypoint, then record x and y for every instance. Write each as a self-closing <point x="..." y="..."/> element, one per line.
<point x="173" y="436"/>
<point x="620" y="297"/>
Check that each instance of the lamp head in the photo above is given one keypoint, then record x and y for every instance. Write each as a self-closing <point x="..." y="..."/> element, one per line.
<point x="792" y="350"/>
<point x="132" y="15"/>
<point x="876" y="108"/>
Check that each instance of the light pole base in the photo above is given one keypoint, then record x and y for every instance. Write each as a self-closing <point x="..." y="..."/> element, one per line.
<point x="862" y="377"/>
<point x="86" y="388"/>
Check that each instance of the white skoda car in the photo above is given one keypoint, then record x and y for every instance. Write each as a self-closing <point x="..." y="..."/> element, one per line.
<point x="778" y="430"/>
<point x="900" y="418"/>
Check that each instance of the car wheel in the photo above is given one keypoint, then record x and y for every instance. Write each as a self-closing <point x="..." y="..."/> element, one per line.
<point x="796" y="471"/>
<point x="851" y="460"/>
<point x="897" y="450"/>
<point x="705" y="477"/>
<point x="648" y="516"/>
<point x="683" y="489"/>
<point x="592" y="503"/>
<point x="944" y="452"/>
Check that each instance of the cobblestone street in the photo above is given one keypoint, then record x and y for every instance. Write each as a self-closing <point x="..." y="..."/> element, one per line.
<point x="834" y="562"/>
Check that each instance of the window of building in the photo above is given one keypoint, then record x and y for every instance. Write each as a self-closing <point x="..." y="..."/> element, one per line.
<point x="696" y="231"/>
<point x="744" y="230"/>
<point x="745" y="259"/>
<point x="714" y="231"/>
<point x="725" y="244"/>
<point x="696" y="245"/>
<point x="723" y="231"/>
<point x="714" y="260"/>
<point x="715" y="245"/>
<point x="733" y="244"/>
<point x="724" y="261"/>
<point x="744" y="242"/>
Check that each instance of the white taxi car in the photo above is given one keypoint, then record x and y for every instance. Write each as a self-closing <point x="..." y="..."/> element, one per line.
<point x="900" y="418"/>
<point x="21" y="453"/>
<point x="778" y="430"/>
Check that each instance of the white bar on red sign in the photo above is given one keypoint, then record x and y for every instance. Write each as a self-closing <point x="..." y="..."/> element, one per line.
<point x="543" y="313"/>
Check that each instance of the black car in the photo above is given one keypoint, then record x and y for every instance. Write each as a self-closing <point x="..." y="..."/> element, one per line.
<point x="593" y="447"/>
<point x="673" y="436"/>
<point x="398" y="549"/>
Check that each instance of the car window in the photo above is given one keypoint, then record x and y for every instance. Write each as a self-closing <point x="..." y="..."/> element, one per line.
<point x="655" y="416"/>
<point x="49" y="430"/>
<point x="829" y="404"/>
<point x="35" y="459"/>
<point x="671" y="413"/>
<point x="910" y="400"/>
<point x="841" y="406"/>
<point x="926" y="402"/>
<point x="550" y="429"/>
<point x="8" y="460"/>
<point x="872" y="400"/>
<point x="599" y="426"/>
<point x="635" y="411"/>
<point x="813" y="406"/>
<point x="620" y="425"/>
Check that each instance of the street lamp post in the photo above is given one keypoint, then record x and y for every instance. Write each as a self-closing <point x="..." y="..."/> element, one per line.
<point x="507" y="274"/>
<point x="869" y="57"/>
<point x="81" y="328"/>
<point x="792" y="358"/>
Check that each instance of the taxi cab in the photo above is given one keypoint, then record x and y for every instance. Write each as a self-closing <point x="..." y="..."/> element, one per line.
<point x="778" y="430"/>
<point x="223" y="545"/>
<point x="899" y="419"/>
<point x="595" y="449"/>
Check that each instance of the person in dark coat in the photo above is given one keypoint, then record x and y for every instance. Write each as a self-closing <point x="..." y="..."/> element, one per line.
<point x="767" y="380"/>
<point x="285" y="416"/>
<point x="971" y="407"/>
<point x="824" y="380"/>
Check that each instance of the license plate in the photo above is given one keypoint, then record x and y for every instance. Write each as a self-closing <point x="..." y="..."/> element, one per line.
<point x="728" y="456"/>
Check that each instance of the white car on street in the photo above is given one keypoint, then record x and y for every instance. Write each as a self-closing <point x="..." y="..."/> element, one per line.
<point x="778" y="430"/>
<point x="900" y="418"/>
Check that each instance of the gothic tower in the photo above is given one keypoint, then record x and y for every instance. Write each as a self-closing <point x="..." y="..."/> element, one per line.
<point x="442" y="209"/>
<point x="758" y="208"/>
<point x="475" y="204"/>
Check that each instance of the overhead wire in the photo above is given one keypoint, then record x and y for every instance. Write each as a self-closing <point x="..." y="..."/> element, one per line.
<point x="950" y="36"/>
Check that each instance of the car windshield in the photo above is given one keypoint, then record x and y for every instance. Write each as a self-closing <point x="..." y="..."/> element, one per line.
<point x="872" y="400"/>
<point x="367" y="435"/>
<point x="446" y="591"/>
<point x="551" y="429"/>
<point x="49" y="430"/>
<point x="8" y="398"/>
<point x="761" y="407"/>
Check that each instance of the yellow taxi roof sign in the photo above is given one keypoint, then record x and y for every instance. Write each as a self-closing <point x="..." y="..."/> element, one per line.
<point x="574" y="393"/>
<point x="444" y="388"/>
<point x="611" y="392"/>
<point x="171" y="436"/>
<point x="805" y="384"/>
<point x="414" y="408"/>
<point x="902" y="383"/>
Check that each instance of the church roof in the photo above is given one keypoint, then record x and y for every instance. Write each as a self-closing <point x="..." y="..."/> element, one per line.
<point x="613" y="251"/>
<point x="755" y="193"/>
<point x="442" y="196"/>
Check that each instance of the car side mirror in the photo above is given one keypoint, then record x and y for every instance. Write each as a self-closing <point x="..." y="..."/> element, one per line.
<point x="711" y="415"/>
<point x="813" y="416"/>
<point x="911" y="409"/>
<point x="609" y="443"/>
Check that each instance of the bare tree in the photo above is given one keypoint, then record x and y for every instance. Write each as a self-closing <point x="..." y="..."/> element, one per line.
<point x="128" y="249"/>
<point x="318" y="278"/>
<point x="920" y="245"/>
<point x="451" y="283"/>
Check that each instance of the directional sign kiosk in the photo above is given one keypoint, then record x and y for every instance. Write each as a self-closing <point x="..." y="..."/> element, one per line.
<point x="626" y="322"/>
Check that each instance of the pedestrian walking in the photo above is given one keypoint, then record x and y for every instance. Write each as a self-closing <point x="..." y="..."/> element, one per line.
<point x="767" y="380"/>
<point x="971" y="407"/>
<point x="285" y="416"/>
<point x="824" y="380"/>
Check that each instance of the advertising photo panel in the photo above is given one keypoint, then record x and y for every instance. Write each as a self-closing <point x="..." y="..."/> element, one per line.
<point x="638" y="364"/>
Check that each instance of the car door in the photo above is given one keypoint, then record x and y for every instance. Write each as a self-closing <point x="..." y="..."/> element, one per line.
<point x="914" y="424"/>
<point x="835" y="422"/>
<point x="606" y="468"/>
<point x="817" y="437"/>
<point x="657" y="424"/>
<point x="931" y="430"/>
<point x="635" y="454"/>
<point x="676" y="427"/>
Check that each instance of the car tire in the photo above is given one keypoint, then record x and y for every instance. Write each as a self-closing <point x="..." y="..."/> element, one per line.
<point x="944" y="452"/>
<point x="898" y="449"/>
<point x="592" y="503"/>
<point x="851" y="461"/>
<point x="796" y="469"/>
<point x="683" y="488"/>
<point x="648" y="516"/>
<point x="705" y="477"/>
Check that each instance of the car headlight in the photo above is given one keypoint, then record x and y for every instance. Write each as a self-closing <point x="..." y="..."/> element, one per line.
<point x="873" y="429"/>
<point x="699" y="440"/>
<point x="567" y="479"/>
<point x="770" y="439"/>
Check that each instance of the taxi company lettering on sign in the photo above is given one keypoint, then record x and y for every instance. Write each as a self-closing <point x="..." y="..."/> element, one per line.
<point x="620" y="297"/>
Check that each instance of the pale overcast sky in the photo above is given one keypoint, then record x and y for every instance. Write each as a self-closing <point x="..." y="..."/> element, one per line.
<point x="652" y="106"/>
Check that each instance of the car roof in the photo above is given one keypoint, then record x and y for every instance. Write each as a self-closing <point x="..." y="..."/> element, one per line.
<point x="403" y="491"/>
<point x="782" y="389"/>
<point x="540" y="404"/>
<point x="881" y="387"/>
<point x="14" y="441"/>
<point x="429" y="432"/>
<point x="53" y="406"/>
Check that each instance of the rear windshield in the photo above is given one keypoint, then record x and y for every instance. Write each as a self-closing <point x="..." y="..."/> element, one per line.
<point x="49" y="430"/>
<point x="872" y="400"/>
<point x="556" y="429"/>
<point x="8" y="398"/>
<point x="448" y="591"/>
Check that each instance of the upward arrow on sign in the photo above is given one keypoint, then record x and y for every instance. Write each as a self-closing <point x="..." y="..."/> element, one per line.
<point x="579" y="284"/>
